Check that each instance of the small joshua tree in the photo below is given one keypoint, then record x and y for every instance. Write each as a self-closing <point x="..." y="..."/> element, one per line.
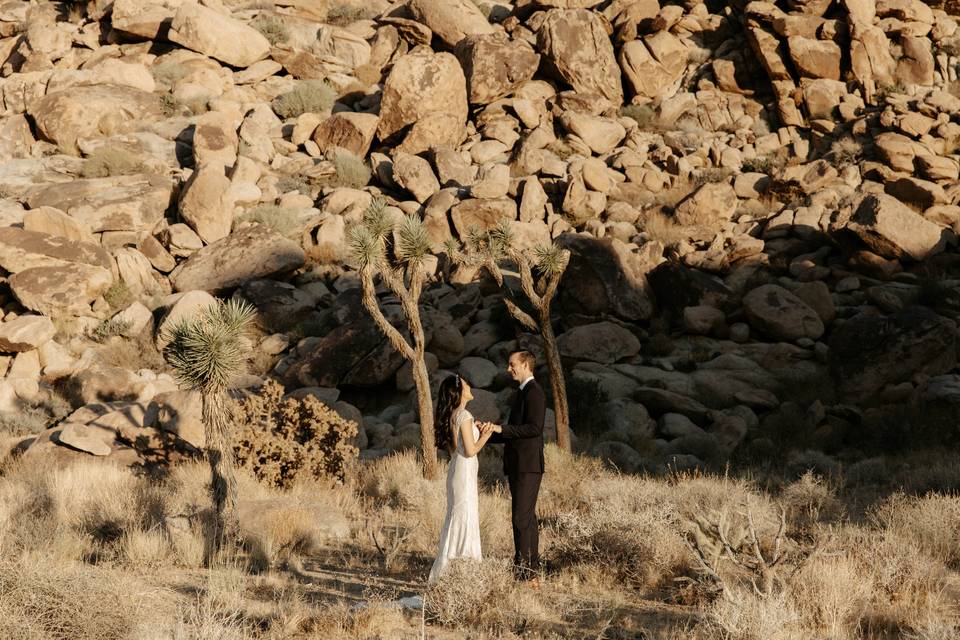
<point x="487" y="249"/>
<point x="207" y="351"/>
<point x="397" y="255"/>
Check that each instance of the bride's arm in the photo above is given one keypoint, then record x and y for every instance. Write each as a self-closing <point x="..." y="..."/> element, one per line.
<point x="472" y="447"/>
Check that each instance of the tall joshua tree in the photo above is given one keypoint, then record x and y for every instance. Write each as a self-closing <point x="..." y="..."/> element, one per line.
<point x="487" y="249"/>
<point x="207" y="351"/>
<point x="397" y="253"/>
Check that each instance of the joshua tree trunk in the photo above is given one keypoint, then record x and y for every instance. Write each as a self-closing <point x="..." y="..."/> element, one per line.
<point x="223" y="479"/>
<point x="425" y="402"/>
<point x="557" y="381"/>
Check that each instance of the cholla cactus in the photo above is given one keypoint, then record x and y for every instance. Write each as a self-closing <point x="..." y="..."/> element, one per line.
<point x="487" y="249"/>
<point x="207" y="351"/>
<point x="397" y="254"/>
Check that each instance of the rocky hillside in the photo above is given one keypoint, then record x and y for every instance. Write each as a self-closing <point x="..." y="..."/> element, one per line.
<point x="760" y="200"/>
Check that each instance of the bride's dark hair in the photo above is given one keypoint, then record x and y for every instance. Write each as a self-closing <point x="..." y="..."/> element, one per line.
<point x="448" y="399"/>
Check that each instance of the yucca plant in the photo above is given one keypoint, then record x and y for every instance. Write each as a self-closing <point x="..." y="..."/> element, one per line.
<point x="207" y="351"/>
<point x="487" y="249"/>
<point x="397" y="254"/>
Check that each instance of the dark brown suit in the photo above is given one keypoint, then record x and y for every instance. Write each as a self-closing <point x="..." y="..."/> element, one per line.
<point x="522" y="438"/>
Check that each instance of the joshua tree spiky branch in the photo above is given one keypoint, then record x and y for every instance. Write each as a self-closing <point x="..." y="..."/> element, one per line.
<point x="397" y="255"/>
<point x="207" y="351"/>
<point x="486" y="249"/>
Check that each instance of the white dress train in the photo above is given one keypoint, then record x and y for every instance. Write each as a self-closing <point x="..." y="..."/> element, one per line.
<point x="460" y="537"/>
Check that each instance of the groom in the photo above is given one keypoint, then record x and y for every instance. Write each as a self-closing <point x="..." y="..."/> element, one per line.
<point x="522" y="438"/>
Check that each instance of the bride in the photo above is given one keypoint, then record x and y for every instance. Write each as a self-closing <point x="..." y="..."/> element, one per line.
<point x="457" y="433"/>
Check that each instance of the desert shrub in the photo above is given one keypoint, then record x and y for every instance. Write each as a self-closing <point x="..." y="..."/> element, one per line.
<point x="810" y="500"/>
<point x="746" y="615"/>
<point x="310" y="96"/>
<point x="107" y="161"/>
<point x="663" y="228"/>
<point x="344" y="13"/>
<point x="643" y="114"/>
<point x="282" y="439"/>
<point x="845" y="151"/>
<point x="931" y="523"/>
<point x="272" y="28"/>
<point x="35" y="417"/>
<point x="831" y="595"/>
<point x="711" y="175"/>
<point x="300" y="184"/>
<point x="109" y="328"/>
<point x="168" y="73"/>
<point x="470" y="593"/>
<point x="119" y="295"/>
<point x="352" y="171"/>
<point x="761" y="164"/>
<point x="284" y="221"/>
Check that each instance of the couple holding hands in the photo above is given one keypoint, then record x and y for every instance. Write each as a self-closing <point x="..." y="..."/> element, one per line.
<point x="522" y="440"/>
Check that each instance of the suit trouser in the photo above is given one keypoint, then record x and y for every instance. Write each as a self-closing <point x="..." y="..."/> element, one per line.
<point x="524" y="488"/>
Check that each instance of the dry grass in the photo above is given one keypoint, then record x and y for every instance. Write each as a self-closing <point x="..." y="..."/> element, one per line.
<point x="272" y="28"/>
<point x="663" y="228"/>
<point x="284" y="221"/>
<point x="352" y="171"/>
<point x="107" y="161"/>
<point x="310" y="96"/>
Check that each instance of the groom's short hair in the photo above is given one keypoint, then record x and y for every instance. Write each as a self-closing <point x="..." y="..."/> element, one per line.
<point x="526" y="358"/>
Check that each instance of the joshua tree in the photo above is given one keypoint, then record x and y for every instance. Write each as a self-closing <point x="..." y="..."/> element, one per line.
<point x="207" y="351"/>
<point x="396" y="253"/>
<point x="487" y="249"/>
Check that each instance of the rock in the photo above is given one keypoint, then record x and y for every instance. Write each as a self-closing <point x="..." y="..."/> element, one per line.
<point x="85" y="438"/>
<point x="16" y="138"/>
<point x="817" y="296"/>
<point x="618" y="455"/>
<point x="815" y="58"/>
<point x="578" y="50"/>
<point x="447" y="344"/>
<point x="181" y="413"/>
<point x="603" y="342"/>
<point x="120" y="203"/>
<point x="219" y="36"/>
<point x="149" y="20"/>
<point x="533" y="200"/>
<point x="602" y="135"/>
<point x="479" y="372"/>
<point x="25" y="333"/>
<point x="215" y="142"/>
<point x="252" y="252"/>
<point x="427" y="90"/>
<point x="607" y="276"/>
<point x="56" y="223"/>
<point x="136" y="319"/>
<point x="493" y="182"/>
<point x="702" y="319"/>
<point x="780" y="314"/>
<point x="916" y="65"/>
<point x="629" y="419"/>
<point x="729" y="431"/>
<point x="675" y="425"/>
<point x="347" y="130"/>
<point x="92" y="110"/>
<point x="495" y="66"/>
<point x="890" y="228"/>
<point x="654" y="64"/>
<point x="450" y="20"/>
<point x="56" y="361"/>
<point x="414" y="174"/>
<point x="21" y="249"/>
<point x="922" y="193"/>
<point x="70" y="288"/>
<point x="868" y="352"/>
<point x="710" y="206"/>
<point x="206" y="204"/>
<point x="137" y="273"/>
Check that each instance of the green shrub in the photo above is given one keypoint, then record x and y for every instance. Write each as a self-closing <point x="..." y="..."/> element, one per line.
<point x="282" y="220"/>
<point x="643" y="114"/>
<point x="282" y="439"/>
<point x="106" y="161"/>
<point x="311" y="96"/>
<point x="272" y="28"/>
<point x="119" y="295"/>
<point x="352" y="171"/>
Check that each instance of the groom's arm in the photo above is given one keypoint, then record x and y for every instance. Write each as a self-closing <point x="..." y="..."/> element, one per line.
<point x="534" y="411"/>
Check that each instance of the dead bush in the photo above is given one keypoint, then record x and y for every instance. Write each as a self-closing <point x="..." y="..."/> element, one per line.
<point x="471" y="593"/>
<point x="310" y="96"/>
<point x="931" y="522"/>
<point x="282" y="440"/>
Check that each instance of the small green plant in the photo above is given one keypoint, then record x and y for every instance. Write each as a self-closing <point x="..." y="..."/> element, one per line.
<point x="272" y="28"/>
<point x="106" y="161"/>
<point x="108" y="329"/>
<point x="169" y="105"/>
<point x="344" y="13"/>
<point x="35" y="417"/>
<point x="711" y="175"/>
<point x="282" y="220"/>
<point x="119" y="295"/>
<point x="311" y="96"/>
<point x="759" y="164"/>
<point x="352" y="171"/>
<point x="643" y="114"/>
<point x="300" y="184"/>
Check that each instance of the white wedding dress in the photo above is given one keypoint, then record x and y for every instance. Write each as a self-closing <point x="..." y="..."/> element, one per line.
<point x="460" y="537"/>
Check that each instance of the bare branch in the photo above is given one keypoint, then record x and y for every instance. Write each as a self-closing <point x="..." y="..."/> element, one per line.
<point x="373" y="307"/>
<point x="521" y="316"/>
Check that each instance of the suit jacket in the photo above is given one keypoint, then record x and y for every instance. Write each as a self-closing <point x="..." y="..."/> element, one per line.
<point x="522" y="437"/>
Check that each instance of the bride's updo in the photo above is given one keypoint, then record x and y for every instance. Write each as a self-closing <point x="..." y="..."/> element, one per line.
<point x="448" y="399"/>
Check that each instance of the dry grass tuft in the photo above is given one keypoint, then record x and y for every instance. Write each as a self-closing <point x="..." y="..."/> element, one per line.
<point x="284" y="221"/>
<point x="931" y="523"/>
<point x="352" y="171"/>
<point x="471" y="593"/>
<point x="310" y="96"/>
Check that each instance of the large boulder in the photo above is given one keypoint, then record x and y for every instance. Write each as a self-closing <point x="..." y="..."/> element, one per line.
<point x="603" y="342"/>
<point x="450" y="20"/>
<point x="149" y="19"/>
<point x="206" y="203"/>
<point x="578" y="49"/>
<point x="347" y="130"/>
<point x="255" y="251"/>
<point x="494" y="65"/>
<point x="92" y="110"/>
<point x="890" y="228"/>
<point x="21" y="249"/>
<point x="654" y="64"/>
<point x="119" y="203"/>
<point x="219" y="36"/>
<point x="69" y="288"/>
<point x="781" y="314"/>
<point x="482" y="214"/>
<point x="187" y="306"/>
<point x="25" y="333"/>
<point x="868" y="352"/>
<point x="607" y="276"/>
<point x="429" y="91"/>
